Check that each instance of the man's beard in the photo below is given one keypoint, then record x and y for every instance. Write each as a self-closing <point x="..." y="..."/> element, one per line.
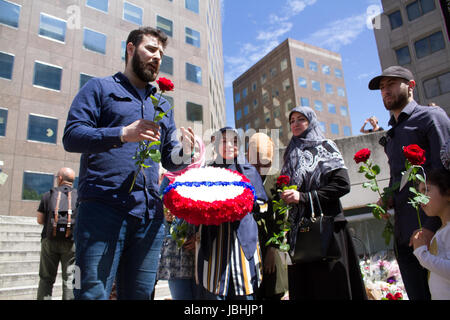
<point x="141" y="71"/>
<point x="397" y="102"/>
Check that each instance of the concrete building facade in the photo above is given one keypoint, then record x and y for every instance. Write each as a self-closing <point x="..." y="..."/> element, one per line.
<point x="293" y="74"/>
<point x="49" y="49"/>
<point x="415" y="34"/>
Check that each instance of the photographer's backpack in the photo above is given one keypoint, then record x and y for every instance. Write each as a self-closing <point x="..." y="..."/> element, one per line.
<point x="61" y="217"/>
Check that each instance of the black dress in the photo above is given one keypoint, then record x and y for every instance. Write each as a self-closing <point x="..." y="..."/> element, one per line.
<point x="339" y="279"/>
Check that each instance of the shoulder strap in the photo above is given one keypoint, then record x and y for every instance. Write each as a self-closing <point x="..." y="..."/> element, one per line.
<point x="55" y="220"/>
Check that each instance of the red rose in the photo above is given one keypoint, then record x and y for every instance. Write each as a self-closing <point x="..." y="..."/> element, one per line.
<point x="165" y="84"/>
<point x="398" y="296"/>
<point x="283" y="180"/>
<point x="390" y="296"/>
<point x="362" y="155"/>
<point x="414" y="154"/>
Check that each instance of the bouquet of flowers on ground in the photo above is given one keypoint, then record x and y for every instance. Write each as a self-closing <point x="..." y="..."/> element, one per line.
<point x="379" y="211"/>
<point x="281" y="211"/>
<point x="382" y="278"/>
<point x="415" y="158"/>
<point x="144" y="149"/>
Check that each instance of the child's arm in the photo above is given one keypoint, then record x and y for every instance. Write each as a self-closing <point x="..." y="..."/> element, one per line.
<point x="437" y="264"/>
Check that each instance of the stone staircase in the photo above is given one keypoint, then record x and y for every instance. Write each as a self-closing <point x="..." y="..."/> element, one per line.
<point x="20" y="246"/>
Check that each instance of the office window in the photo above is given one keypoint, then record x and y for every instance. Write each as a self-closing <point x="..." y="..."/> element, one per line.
<point x="192" y="37"/>
<point x="36" y="184"/>
<point x="334" y="128"/>
<point x="286" y="84"/>
<point x="283" y="64"/>
<point x="318" y="105"/>
<point x="323" y="126"/>
<point x="167" y="65"/>
<point x="132" y="13"/>
<point x="42" y="129"/>
<point x="169" y="99"/>
<point x="84" y="78"/>
<point x="273" y="72"/>
<point x="300" y="62"/>
<point x="193" y="73"/>
<point x="341" y="92"/>
<point x="329" y="88"/>
<point x="304" y="102"/>
<point x="263" y="78"/>
<point x="395" y="19"/>
<point x="237" y="97"/>
<point x="313" y="66"/>
<point x="3" y="121"/>
<point x="6" y="65"/>
<point x="192" y="5"/>
<point x="52" y="28"/>
<point x="289" y="105"/>
<point x="419" y="8"/>
<point x="267" y="117"/>
<point x="403" y="56"/>
<point x="9" y="13"/>
<point x="326" y="69"/>
<point x="347" y="131"/>
<point x="276" y="113"/>
<point x="254" y="86"/>
<point x="338" y="73"/>
<point x="238" y="115"/>
<point x="247" y="126"/>
<point x="331" y="108"/>
<point x="101" y="5"/>
<point x="302" y="82"/>
<point x="194" y="112"/>
<point x="244" y="92"/>
<point x="265" y="96"/>
<point x="257" y="123"/>
<point x="94" y="41"/>
<point x="245" y="110"/>
<point x="255" y="104"/>
<point x="429" y="45"/>
<point x="165" y="25"/>
<point x="47" y="76"/>
<point x="315" y="85"/>
<point x="344" y="111"/>
<point x="437" y="86"/>
<point x="123" y="50"/>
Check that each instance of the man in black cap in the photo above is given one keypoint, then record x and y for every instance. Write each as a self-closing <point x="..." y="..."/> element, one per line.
<point x="411" y="124"/>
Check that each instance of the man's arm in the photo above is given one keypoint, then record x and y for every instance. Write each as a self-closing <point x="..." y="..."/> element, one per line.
<point x="40" y="218"/>
<point x="81" y="133"/>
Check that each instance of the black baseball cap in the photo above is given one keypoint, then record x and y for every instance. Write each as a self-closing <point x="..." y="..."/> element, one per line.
<point x="393" y="71"/>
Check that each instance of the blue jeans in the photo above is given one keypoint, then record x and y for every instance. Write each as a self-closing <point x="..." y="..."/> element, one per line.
<point x="184" y="289"/>
<point x="112" y="245"/>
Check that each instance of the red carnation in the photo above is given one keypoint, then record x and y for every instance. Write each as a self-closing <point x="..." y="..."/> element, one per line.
<point x="283" y="181"/>
<point x="398" y="296"/>
<point x="165" y="84"/>
<point x="362" y="155"/>
<point x="414" y="154"/>
<point x="390" y="296"/>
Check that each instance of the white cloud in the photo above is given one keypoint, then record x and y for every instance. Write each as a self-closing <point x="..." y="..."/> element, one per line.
<point x="266" y="40"/>
<point x="339" y="33"/>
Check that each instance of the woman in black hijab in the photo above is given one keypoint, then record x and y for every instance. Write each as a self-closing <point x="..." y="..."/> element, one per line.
<point x="229" y="260"/>
<point x="315" y="163"/>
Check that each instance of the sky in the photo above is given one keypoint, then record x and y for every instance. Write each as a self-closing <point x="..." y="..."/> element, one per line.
<point x="252" y="28"/>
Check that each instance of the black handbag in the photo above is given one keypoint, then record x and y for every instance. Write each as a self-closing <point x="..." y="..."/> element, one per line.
<point x="315" y="237"/>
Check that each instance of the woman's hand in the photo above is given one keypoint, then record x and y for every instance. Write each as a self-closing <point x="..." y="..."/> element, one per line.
<point x="290" y="196"/>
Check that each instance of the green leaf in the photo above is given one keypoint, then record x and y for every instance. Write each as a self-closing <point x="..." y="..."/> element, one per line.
<point x="155" y="155"/>
<point x="367" y="184"/>
<point x="155" y="100"/>
<point x="370" y="176"/>
<point x="284" y="247"/>
<point x="420" y="178"/>
<point x="362" y="169"/>
<point x="376" y="169"/>
<point x="159" y="116"/>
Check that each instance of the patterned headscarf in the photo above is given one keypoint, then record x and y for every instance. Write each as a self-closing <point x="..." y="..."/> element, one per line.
<point x="445" y="155"/>
<point x="310" y="156"/>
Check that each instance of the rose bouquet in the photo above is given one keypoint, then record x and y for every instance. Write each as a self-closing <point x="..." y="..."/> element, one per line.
<point x="415" y="158"/>
<point x="144" y="149"/>
<point x="379" y="211"/>
<point x="281" y="211"/>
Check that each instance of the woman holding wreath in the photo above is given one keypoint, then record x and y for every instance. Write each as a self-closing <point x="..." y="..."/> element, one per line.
<point x="314" y="163"/>
<point x="229" y="258"/>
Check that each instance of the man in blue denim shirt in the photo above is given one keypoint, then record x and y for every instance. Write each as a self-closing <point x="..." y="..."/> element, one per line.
<point x="118" y="235"/>
<point x="428" y="127"/>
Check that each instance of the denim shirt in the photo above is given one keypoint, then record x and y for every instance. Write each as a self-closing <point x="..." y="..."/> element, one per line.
<point x="428" y="127"/>
<point x="94" y="123"/>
